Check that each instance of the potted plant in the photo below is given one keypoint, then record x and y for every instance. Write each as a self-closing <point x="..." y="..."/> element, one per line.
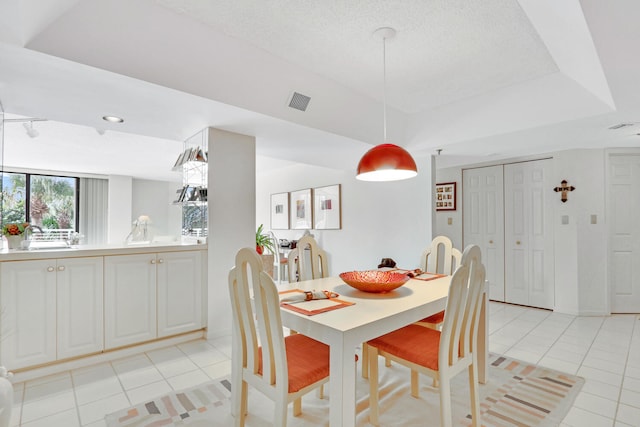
<point x="263" y="240"/>
<point x="14" y="233"/>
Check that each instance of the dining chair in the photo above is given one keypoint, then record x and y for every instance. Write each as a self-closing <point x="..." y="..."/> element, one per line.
<point x="440" y="258"/>
<point x="307" y="261"/>
<point x="282" y="368"/>
<point x="439" y="354"/>
<point x="280" y="261"/>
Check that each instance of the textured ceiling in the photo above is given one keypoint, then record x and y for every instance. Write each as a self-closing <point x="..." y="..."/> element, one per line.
<point x="444" y="51"/>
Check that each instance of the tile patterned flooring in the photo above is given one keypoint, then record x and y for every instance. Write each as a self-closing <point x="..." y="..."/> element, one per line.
<point x="603" y="350"/>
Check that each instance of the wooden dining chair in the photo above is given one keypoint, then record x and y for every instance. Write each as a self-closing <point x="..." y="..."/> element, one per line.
<point x="282" y="368"/>
<point x="439" y="354"/>
<point x="440" y="258"/>
<point x="307" y="261"/>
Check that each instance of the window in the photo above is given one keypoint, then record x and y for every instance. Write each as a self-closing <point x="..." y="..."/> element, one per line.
<point x="51" y="202"/>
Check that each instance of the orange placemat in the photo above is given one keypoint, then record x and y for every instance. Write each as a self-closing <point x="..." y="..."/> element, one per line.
<point x="312" y="307"/>
<point x="424" y="276"/>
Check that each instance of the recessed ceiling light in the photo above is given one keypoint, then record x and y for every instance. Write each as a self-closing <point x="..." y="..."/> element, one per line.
<point x="113" y="119"/>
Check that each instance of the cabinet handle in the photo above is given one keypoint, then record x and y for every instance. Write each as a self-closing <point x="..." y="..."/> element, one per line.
<point x="491" y="242"/>
<point x="61" y="268"/>
<point x="50" y="269"/>
<point x="160" y="261"/>
<point x="153" y="261"/>
<point x="517" y="242"/>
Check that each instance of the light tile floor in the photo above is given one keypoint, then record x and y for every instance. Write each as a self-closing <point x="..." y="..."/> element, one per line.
<point x="603" y="350"/>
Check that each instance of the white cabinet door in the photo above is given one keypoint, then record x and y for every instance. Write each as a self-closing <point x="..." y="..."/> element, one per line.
<point x="28" y="321"/>
<point x="179" y="292"/>
<point x="130" y="299"/>
<point x="80" y="306"/>
<point x="483" y="221"/>
<point x="529" y="272"/>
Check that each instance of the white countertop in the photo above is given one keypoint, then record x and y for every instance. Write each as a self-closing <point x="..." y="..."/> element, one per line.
<point x="97" y="250"/>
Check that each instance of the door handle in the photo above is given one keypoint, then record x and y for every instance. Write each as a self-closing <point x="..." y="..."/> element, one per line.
<point x="50" y="269"/>
<point x="61" y="268"/>
<point x="160" y="261"/>
<point x="153" y="261"/>
<point x="491" y="242"/>
<point x="517" y="242"/>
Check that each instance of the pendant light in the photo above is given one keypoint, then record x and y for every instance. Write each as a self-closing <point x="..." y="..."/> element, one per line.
<point x="386" y="162"/>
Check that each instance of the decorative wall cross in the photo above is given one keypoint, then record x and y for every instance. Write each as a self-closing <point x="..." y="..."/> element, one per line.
<point x="564" y="189"/>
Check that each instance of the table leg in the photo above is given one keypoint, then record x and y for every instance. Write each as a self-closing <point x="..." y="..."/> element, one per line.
<point x="342" y="409"/>
<point x="483" y="343"/>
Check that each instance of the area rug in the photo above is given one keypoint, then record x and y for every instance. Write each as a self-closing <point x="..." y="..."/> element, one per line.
<point x="517" y="394"/>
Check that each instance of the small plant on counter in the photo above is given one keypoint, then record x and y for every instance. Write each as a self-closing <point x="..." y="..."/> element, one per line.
<point x="263" y="240"/>
<point x="14" y="228"/>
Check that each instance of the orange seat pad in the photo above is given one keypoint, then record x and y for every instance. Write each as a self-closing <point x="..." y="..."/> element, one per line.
<point x="434" y="318"/>
<point x="413" y="343"/>
<point x="307" y="361"/>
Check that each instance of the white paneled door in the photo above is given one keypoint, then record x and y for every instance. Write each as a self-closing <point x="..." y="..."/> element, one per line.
<point x="624" y="233"/>
<point x="483" y="221"/>
<point x="529" y="266"/>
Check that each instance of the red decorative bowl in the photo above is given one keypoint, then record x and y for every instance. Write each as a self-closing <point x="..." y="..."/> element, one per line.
<point x="374" y="280"/>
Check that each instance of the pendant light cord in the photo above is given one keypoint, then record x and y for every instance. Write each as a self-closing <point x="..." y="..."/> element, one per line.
<point x="384" y="88"/>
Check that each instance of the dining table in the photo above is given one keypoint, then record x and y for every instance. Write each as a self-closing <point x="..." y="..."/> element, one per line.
<point x="370" y="315"/>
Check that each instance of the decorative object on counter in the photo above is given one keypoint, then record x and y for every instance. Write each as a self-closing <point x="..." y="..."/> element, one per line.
<point x="14" y="232"/>
<point x="301" y="209"/>
<point x="140" y="232"/>
<point x="74" y="238"/>
<point x="387" y="262"/>
<point x="375" y="281"/>
<point x="280" y="211"/>
<point x="327" y="210"/>
<point x="6" y="397"/>
<point x="563" y="189"/>
<point x="386" y="162"/>
<point x="446" y="196"/>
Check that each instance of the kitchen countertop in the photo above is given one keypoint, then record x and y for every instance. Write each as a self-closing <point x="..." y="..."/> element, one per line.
<point x="97" y="250"/>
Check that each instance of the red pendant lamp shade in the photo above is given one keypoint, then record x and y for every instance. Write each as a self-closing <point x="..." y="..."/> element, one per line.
<point x="386" y="162"/>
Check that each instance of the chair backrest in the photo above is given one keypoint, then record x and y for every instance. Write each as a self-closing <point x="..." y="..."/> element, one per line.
<point x="460" y="327"/>
<point x="292" y="265"/>
<point x="317" y="256"/>
<point x="441" y="257"/>
<point x="245" y="279"/>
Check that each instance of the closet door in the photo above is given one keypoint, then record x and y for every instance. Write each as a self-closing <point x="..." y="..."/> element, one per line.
<point x="529" y="269"/>
<point x="483" y="222"/>
<point x="624" y="233"/>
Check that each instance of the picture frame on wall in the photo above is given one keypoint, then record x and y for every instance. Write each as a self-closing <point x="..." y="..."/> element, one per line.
<point x="280" y="211"/>
<point x="327" y="208"/>
<point x="445" y="196"/>
<point x="301" y="212"/>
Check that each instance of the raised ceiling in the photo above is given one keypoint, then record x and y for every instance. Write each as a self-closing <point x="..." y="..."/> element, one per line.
<point x="480" y="79"/>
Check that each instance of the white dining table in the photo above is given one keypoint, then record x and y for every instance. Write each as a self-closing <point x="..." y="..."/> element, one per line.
<point x="372" y="315"/>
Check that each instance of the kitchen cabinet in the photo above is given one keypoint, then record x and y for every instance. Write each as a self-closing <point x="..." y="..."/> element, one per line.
<point x="152" y="295"/>
<point x="51" y="309"/>
<point x="129" y="299"/>
<point x="179" y="280"/>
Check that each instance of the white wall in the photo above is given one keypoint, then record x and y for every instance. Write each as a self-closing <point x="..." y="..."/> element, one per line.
<point x="232" y="217"/>
<point x="379" y="220"/>
<point x="119" y="205"/>
<point x="153" y="198"/>
<point x="580" y="248"/>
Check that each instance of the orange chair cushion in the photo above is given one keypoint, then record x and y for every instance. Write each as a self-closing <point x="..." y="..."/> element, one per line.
<point x="435" y="318"/>
<point x="307" y="361"/>
<point x="413" y="343"/>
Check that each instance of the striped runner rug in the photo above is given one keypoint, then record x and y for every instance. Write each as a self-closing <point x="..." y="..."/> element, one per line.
<point x="517" y="394"/>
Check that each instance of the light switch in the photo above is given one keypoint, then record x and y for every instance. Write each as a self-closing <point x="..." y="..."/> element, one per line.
<point x="565" y="219"/>
<point x="594" y="219"/>
<point x="450" y="221"/>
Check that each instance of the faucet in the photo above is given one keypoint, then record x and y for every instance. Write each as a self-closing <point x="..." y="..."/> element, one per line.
<point x="28" y="233"/>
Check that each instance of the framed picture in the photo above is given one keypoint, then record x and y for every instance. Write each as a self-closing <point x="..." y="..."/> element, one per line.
<point x="280" y="211"/>
<point x="446" y="196"/>
<point x="301" y="209"/>
<point x="327" y="213"/>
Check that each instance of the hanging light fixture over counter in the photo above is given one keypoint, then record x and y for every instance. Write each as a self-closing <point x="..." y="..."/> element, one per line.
<point x="386" y="162"/>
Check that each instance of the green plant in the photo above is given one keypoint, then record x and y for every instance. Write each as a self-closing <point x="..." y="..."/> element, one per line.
<point x="263" y="240"/>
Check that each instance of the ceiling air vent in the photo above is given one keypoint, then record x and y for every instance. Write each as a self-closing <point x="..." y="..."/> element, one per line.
<point x="299" y="101"/>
